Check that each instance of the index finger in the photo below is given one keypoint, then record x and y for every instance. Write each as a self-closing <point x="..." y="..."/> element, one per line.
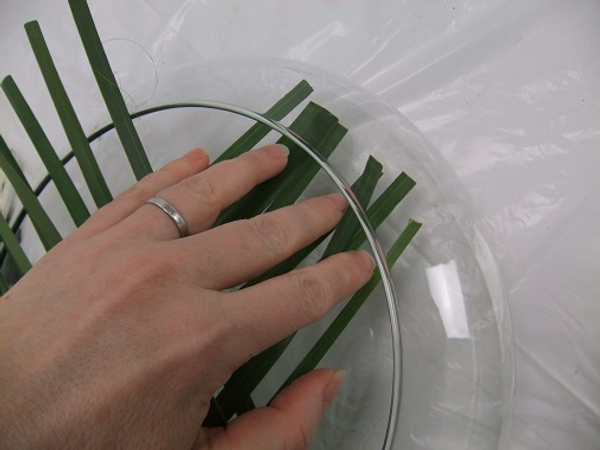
<point x="274" y="309"/>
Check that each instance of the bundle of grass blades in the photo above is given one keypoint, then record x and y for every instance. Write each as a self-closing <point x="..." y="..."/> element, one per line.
<point x="314" y="124"/>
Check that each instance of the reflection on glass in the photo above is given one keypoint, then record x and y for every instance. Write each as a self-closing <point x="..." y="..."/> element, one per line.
<point x="446" y="291"/>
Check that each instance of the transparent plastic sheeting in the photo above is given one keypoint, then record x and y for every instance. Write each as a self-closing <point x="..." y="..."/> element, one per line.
<point x="507" y="91"/>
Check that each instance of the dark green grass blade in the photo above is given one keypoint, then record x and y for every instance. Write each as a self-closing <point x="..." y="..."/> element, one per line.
<point x="46" y="230"/>
<point x="247" y="405"/>
<point x="215" y="416"/>
<point x="13" y="164"/>
<point x="237" y="390"/>
<point x="13" y="247"/>
<point x="384" y="205"/>
<point x="65" y="186"/>
<point x="365" y="186"/>
<point x="248" y="376"/>
<point x="258" y="131"/>
<point x="109" y="89"/>
<point x="233" y="397"/>
<point x="3" y="285"/>
<point x="73" y="129"/>
<point x="315" y="124"/>
<point x="318" y="351"/>
<point x="308" y="168"/>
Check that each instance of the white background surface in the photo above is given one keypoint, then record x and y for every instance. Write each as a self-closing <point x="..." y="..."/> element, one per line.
<point x="508" y="91"/>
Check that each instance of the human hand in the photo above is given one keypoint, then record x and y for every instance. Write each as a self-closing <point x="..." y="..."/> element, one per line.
<point x="119" y="336"/>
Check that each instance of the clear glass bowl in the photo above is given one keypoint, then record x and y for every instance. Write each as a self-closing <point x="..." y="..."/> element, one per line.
<point x="457" y="366"/>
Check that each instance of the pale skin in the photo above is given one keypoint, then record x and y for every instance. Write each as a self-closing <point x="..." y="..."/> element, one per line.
<point x="119" y="336"/>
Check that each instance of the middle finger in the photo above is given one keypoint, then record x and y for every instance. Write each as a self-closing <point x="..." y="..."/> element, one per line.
<point x="241" y="250"/>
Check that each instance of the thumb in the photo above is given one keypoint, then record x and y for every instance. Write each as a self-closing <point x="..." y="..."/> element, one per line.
<point x="289" y="422"/>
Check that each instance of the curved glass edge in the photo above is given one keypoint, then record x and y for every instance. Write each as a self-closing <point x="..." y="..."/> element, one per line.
<point x="479" y="241"/>
<point x="492" y="275"/>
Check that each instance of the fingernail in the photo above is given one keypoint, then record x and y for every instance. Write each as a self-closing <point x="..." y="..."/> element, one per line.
<point x="277" y="151"/>
<point x="367" y="260"/>
<point x="196" y="155"/>
<point x="333" y="387"/>
<point x="338" y="201"/>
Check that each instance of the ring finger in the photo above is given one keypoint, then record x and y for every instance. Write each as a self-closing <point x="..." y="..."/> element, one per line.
<point x="200" y="198"/>
<point x="130" y="200"/>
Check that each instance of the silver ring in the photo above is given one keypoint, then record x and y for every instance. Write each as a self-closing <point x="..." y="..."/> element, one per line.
<point x="172" y="213"/>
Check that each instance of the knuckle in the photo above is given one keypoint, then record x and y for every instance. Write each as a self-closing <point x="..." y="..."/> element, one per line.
<point x="250" y="165"/>
<point x="317" y="215"/>
<point x="139" y="191"/>
<point x="317" y="209"/>
<point x="143" y="274"/>
<point x="348" y="266"/>
<point x="311" y="293"/>
<point x="274" y="235"/>
<point x="251" y="157"/>
<point x="305" y="436"/>
<point x="203" y="190"/>
<point x="299" y="437"/>
<point x="354" y="271"/>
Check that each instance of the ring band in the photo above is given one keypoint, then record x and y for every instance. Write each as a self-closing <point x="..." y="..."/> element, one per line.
<point x="172" y="213"/>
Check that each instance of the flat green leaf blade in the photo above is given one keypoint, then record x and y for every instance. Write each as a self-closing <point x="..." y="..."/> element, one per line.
<point x="13" y="247"/>
<point x="363" y="190"/>
<point x="65" y="186"/>
<point x="73" y="129"/>
<point x="233" y="398"/>
<point x="109" y="89"/>
<point x="384" y="205"/>
<point x="215" y="416"/>
<point x="258" y="131"/>
<point x="12" y="162"/>
<point x="308" y="169"/>
<point x="3" y="285"/>
<point x="318" y="351"/>
<point x="46" y="230"/>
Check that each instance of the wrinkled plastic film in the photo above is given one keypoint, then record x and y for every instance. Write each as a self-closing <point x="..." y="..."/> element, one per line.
<point x="507" y="94"/>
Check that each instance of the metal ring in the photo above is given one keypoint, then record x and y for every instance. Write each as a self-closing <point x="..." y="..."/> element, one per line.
<point x="173" y="214"/>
